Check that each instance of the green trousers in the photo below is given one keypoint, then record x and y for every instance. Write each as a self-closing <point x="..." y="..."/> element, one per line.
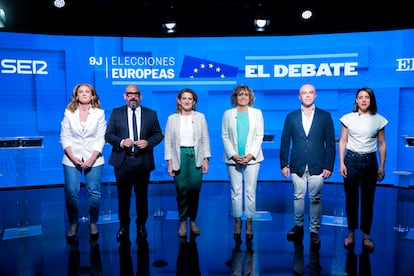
<point x="188" y="185"/>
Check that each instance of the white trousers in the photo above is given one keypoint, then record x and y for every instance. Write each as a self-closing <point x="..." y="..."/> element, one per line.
<point x="314" y="184"/>
<point x="243" y="190"/>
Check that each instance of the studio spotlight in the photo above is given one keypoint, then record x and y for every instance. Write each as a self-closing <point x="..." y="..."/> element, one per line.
<point x="2" y="18"/>
<point x="59" y="3"/>
<point x="261" y="23"/>
<point x="169" y="25"/>
<point x="306" y="14"/>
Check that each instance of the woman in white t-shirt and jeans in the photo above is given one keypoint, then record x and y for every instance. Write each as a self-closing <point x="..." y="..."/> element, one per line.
<point x="362" y="135"/>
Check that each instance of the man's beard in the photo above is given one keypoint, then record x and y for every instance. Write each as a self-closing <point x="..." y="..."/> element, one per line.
<point x="133" y="104"/>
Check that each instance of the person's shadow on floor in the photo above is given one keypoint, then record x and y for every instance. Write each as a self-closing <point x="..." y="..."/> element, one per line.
<point x="351" y="265"/>
<point x="187" y="259"/>
<point x="95" y="266"/>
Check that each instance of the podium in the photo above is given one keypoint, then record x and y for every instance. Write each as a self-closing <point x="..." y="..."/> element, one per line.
<point x="21" y="145"/>
<point x="406" y="179"/>
<point x="337" y="216"/>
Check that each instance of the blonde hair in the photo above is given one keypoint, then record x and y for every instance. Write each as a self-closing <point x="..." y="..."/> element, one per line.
<point x="74" y="103"/>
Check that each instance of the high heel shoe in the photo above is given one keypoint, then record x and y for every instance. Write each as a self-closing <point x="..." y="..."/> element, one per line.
<point x="182" y="231"/>
<point x="195" y="231"/>
<point x="367" y="245"/>
<point x="71" y="237"/>
<point x="237" y="240"/>
<point x="237" y="233"/>
<point x="93" y="236"/>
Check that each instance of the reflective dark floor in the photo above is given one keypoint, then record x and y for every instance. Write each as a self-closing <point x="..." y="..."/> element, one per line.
<point x="34" y="225"/>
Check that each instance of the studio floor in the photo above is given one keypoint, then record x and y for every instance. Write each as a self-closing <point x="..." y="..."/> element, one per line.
<point x="34" y="225"/>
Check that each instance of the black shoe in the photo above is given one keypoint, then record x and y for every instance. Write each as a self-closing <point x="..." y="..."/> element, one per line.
<point x="73" y="239"/>
<point x="315" y="242"/>
<point x="141" y="233"/>
<point x="122" y="235"/>
<point x="295" y="234"/>
<point x="93" y="236"/>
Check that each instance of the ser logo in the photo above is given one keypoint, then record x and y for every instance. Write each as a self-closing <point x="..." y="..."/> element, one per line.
<point x="23" y="67"/>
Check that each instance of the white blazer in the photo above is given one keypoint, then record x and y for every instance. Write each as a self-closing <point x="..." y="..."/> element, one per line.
<point x="172" y="139"/>
<point x="83" y="142"/>
<point x="254" y="137"/>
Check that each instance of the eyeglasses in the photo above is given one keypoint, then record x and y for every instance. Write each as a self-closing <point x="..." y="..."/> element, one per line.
<point x="129" y="94"/>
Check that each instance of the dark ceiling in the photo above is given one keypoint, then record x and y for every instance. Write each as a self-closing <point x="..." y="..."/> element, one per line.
<point x="203" y="17"/>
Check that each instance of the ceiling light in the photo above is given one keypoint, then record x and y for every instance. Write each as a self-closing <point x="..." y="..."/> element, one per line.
<point x="306" y="14"/>
<point x="169" y="25"/>
<point x="59" y="3"/>
<point x="2" y="18"/>
<point x="261" y="23"/>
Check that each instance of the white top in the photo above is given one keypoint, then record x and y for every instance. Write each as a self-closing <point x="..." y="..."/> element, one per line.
<point x="307" y="121"/>
<point x="172" y="139"/>
<point x="186" y="131"/>
<point x="362" y="131"/>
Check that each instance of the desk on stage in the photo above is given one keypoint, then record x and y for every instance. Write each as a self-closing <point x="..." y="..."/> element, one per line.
<point x="21" y="145"/>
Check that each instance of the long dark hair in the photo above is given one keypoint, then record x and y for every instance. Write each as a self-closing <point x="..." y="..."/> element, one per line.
<point x="373" y="102"/>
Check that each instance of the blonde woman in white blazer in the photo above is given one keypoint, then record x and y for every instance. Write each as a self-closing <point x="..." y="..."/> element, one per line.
<point x="242" y="135"/>
<point x="187" y="152"/>
<point x="82" y="137"/>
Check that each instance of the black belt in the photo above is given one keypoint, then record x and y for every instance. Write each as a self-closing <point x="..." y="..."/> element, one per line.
<point x="362" y="154"/>
<point x="186" y="147"/>
<point x="134" y="154"/>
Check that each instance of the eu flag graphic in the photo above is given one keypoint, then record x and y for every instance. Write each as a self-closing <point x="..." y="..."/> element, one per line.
<point x="201" y="68"/>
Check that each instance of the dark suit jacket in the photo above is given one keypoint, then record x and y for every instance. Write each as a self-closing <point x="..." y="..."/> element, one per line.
<point x="117" y="129"/>
<point x="318" y="149"/>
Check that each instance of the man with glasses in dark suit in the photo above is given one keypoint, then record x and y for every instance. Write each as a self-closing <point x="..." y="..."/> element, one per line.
<point x="133" y="131"/>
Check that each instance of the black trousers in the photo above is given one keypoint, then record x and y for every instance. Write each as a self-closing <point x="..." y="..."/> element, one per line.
<point x="132" y="174"/>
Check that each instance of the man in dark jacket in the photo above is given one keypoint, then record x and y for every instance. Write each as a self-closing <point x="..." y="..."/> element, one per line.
<point x="310" y="131"/>
<point x="133" y="138"/>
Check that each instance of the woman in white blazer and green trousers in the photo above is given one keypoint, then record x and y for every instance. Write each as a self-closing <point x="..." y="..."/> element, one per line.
<point x="187" y="152"/>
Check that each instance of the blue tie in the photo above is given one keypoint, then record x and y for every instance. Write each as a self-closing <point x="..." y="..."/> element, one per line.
<point x="134" y="126"/>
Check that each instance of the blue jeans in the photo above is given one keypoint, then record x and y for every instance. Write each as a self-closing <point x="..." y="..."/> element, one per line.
<point x="72" y="188"/>
<point x="300" y="185"/>
<point x="360" y="187"/>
